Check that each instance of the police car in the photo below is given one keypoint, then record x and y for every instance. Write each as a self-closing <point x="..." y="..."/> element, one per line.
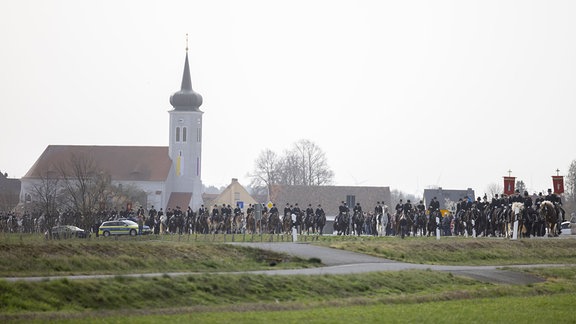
<point x="566" y="228"/>
<point x="121" y="227"/>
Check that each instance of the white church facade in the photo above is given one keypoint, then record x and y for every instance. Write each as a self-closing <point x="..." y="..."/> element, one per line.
<point x="170" y="176"/>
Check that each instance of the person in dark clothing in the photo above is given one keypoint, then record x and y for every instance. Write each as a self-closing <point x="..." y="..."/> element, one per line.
<point x="403" y="226"/>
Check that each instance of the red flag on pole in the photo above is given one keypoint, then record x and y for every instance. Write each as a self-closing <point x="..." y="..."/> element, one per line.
<point x="509" y="183"/>
<point x="558" y="183"/>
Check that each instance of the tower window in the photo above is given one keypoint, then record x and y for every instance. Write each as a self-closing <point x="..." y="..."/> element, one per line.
<point x="184" y="134"/>
<point x="177" y="134"/>
<point x="179" y="164"/>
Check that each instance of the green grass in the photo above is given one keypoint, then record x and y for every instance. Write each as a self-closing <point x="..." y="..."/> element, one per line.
<point x="459" y="250"/>
<point x="68" y="257"/>
<point x="539" y="309"/>
<point x="223" y="298"/>
<point x="406" y="296"/>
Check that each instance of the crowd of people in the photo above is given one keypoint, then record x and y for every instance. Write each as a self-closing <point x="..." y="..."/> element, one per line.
<point x="470" y="217"/>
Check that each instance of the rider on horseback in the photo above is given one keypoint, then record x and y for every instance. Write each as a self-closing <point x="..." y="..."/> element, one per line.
<point x="274" y="209"/>
<point x="557" y="201"/>
<point x="434" y="205"/>
<point x="399" y="207"/>
<point x="357" y="209"/>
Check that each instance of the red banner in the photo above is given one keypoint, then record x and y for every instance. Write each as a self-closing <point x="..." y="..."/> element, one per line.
<point x="558" y="182"/>
<point x="509" y="183"/>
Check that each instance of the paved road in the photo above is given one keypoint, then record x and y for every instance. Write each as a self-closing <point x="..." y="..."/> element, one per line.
<point x="345" y="262"/>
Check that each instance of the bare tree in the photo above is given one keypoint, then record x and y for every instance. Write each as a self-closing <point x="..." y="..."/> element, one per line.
<point x="84" y="187"/>
<point x="520" y="186"/>
<point x="118" y="196"/>
<point x="312" y="166"/>
<point x="45" y="195"/>
<point x="570" y="189"/>
<point x="266" y="171"/>
<point x="305" y="164"/>
<point x="290" y="172"/>
<point x="494" y="189"/>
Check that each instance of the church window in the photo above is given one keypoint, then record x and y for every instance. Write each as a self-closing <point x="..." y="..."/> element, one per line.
<point x="184" y="134"/>
<point x="177" y="134"/>
<point x="180" y="164"/>
<point x="199" y="131"/>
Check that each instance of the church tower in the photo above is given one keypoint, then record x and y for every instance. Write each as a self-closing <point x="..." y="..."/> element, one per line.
<point x="185" y="147"/>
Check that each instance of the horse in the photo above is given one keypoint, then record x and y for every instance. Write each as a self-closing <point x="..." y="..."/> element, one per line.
<point x="238" y="223"/>
<point x="287" y="223"/>
<point x="341" y="223"/>
<point x="504" y="221"/>
<point x="372" y="224"/>
<point x="548" y="211"/>
<point x="358" y="222"/>
<point x="299" y="221"/>
<point x="420" y="224"/>
<point x="396" y="222"/>
<point x="250" y="223"/>
<point x="411" y="222"/>
<point x="461" y="222"/>
<point x="216" y="223"/>
<point x="202" y="224"/>
<point x="309" y="223"/>
<point x="529" y="218"/>
<point x="511" y="214"/>
<point x="320" y="222"/>
<point x="274" y="224"/>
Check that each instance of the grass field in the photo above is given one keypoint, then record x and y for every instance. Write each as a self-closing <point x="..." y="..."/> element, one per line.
<point x="459" y="250"/>
<point x="407" y="296"/>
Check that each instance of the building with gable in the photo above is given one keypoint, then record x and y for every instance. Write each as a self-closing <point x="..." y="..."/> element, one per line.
<point x="9" y="192"/>
<point x="234" y="195"/>
<point x="329" y="197"/>
<point x="447" y="197"/>
<point x="170" y="176"/>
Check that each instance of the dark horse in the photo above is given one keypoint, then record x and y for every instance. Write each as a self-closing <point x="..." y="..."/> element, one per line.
<point x="420" y="227"/>
<point x="341" y="223"/>
<point x="320" y="222"/>
<point x="548" y="212"/>
<point x="274" y="224"/>
<point x="358" y="222"/>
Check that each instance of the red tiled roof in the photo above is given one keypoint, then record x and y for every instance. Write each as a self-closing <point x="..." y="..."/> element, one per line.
<point x="137" y="163"/>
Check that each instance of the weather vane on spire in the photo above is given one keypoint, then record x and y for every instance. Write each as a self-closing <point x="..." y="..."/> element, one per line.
<point x="186" y="42"/>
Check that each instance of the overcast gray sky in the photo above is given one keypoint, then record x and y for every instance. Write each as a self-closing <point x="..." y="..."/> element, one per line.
<point x="406" y="94"/>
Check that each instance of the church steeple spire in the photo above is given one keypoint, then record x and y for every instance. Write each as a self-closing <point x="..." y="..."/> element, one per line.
<point x="186" y="80"/>
<point x="186" y="98"/>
